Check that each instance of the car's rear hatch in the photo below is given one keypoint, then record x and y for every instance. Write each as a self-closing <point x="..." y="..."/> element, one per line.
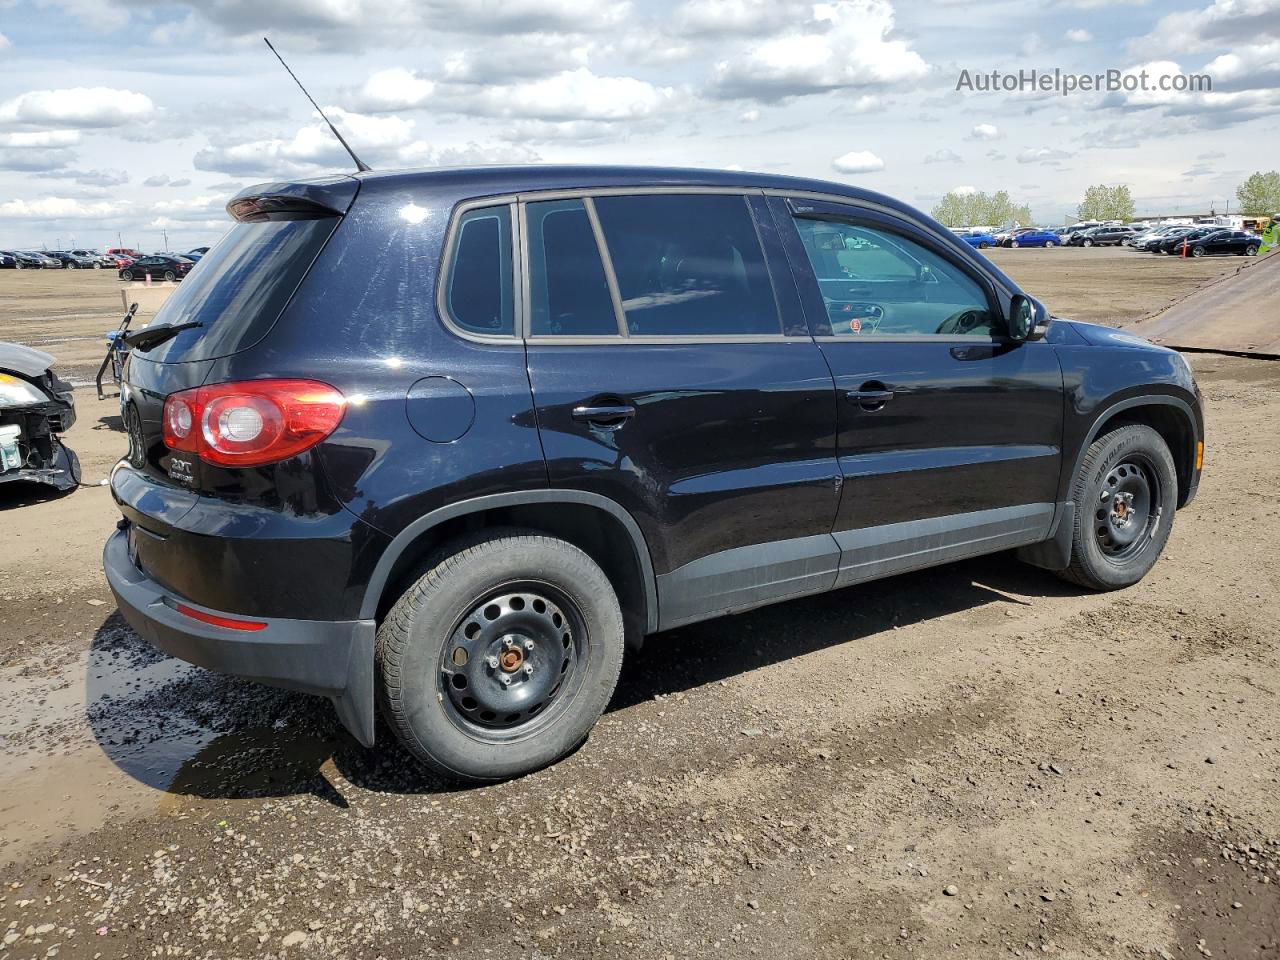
<point x="233" y="297"/>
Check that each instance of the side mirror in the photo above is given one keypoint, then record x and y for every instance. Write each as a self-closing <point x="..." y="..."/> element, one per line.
<point x="1028" y="319"/>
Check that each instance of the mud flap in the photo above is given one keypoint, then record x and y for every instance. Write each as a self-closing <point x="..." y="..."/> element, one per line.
<point x="355" y="705"/>
<point x="1054" y="553"/>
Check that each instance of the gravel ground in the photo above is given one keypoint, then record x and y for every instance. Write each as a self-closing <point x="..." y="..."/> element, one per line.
<point x="973" y="761"/>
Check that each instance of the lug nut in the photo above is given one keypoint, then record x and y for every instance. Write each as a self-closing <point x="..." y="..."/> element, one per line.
<point x="528" y="669"/>
<point x="506" y="679"/>
<point x="528" y="644"/>
<point x="492" y="662"/>
<point x="507" y="642"/>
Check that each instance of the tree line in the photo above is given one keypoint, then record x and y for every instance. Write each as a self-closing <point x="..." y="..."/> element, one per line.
<point x="1258" y="196"/>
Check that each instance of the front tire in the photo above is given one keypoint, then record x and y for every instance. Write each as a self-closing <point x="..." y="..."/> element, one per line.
<point x="1197" y="251"/>
<point x="1086" y="243"/>
<point x="1251" y="251"/>
<point x="1014" y="244"/>
<point x="501" y="657"/>
<point x="1125" y="492"/>
<point x="126" y="274"/>
<point x="1050" y="243"/>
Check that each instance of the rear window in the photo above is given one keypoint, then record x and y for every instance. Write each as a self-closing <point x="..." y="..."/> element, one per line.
<point x="688" y="265"/>
<point x="239" y="287"/>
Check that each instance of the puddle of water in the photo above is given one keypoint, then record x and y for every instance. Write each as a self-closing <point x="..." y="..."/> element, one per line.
<point x="127" y="731"/>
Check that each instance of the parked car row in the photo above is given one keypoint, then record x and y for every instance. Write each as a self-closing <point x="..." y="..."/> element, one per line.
<point x="130" y="264"/>
<point x="1198" y="241"/>
<point x="116" y="258"/>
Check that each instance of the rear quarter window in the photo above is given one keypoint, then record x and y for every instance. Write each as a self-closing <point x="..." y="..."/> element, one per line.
<point x="478" y="282"/>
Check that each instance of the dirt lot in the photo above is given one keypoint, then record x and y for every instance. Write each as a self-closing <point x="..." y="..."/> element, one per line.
<point x="974" y="761"/>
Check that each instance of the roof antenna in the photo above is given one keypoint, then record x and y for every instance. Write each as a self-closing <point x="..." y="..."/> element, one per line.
<point x="360" y="164"/>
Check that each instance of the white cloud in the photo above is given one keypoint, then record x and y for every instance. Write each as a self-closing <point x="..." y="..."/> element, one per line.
<point x="984" y="131"/>
<point x="942" y="155"/>
<point x="59" y="208"/>
<point x="77" y="107"/>
<point x="858" y="161"/>
<point x="569" y="95"/>
<point x="1221" y="24"/>
<point x="964" y="190"/>
<point x="394" y="89"/>
<point x="1046" y="155"/>
<point x="844" y="45"/>
<point x="721" y="18"/>
<point x="90" y="178"/>
<point x="749" y="116"/>
<point x="5" y="43"/>
<point x="40" y="138"/>
<point x="1079" y="35"/>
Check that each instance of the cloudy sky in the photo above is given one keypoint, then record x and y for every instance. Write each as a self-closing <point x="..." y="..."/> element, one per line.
<point x="126" y="118"/>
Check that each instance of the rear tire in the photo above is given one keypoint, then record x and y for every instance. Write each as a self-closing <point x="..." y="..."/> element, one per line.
<point x="1125" y="492"/>
<point x="1013" y="243"/>
<point x="501" y="657"/>
<point x="170" y="276"/>
<point x="1050" y="243"/>
<point x="1086" y="243"/>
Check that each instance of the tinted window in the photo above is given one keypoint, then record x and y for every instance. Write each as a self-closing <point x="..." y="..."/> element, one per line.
<point x="237" y="291"/>
<point x="874" y="281"/>
<point x="569" y="295"/>
<point x="688" y="265"/>
<point x="478" y="291"/>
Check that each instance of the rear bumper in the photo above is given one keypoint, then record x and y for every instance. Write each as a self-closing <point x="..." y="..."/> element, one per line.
<point x="330" y="658"/>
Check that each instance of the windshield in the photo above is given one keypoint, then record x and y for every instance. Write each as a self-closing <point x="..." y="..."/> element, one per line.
<point x="240" y="287"/>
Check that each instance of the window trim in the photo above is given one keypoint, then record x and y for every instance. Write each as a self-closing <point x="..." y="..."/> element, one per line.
<point x="623" y="336"/>
<point x="446" y="266"/>
<point x="876" y="217"/>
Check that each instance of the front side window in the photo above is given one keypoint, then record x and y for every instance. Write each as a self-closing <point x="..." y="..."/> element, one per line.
<point x="878" y="282"/>
<point x="569" y="295"/>
<point x="688" y="265"/>
<point x="478" y="287"/>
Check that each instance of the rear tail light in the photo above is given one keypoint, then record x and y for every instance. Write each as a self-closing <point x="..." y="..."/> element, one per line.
<point x="251" y="423"/>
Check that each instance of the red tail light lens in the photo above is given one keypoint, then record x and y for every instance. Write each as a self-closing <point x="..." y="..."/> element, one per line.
<point x="251" y="423"/>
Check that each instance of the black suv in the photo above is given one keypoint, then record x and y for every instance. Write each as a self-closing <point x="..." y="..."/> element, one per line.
<point x="1102" y="237"/>
<point x="443" y="443"/>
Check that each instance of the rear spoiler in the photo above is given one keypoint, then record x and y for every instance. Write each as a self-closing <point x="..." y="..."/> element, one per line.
<point x="298" y="200"/>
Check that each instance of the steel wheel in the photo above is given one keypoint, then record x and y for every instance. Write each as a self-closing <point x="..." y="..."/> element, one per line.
<point x="1197" y="251"/>
<point x="512" y="662"/>
<point x="170" y="276"/>
<point x="126" y="275"/>
<point x="1128" y="509"/>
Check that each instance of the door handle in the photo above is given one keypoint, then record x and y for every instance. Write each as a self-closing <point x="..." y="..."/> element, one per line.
<point x="605" y="414"/>
<point x="870" y="398"/>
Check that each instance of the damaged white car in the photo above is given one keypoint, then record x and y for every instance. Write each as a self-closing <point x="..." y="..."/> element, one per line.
<point x="35" y="408"/>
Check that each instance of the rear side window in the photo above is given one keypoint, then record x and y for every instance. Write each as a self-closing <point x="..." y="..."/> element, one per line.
<point x="688" y="265"/>
<point x="478" y="286"/>
<point x="239" y="287"/>
<point x="568" y="291"/>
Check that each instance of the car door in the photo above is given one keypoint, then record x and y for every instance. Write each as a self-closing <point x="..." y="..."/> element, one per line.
<point x="949" y="432"/>
<point x="673" y="372"/>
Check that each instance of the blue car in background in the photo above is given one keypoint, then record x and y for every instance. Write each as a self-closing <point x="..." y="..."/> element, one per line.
<point x="976" y="238"/>
<point x="1032" y="237"/>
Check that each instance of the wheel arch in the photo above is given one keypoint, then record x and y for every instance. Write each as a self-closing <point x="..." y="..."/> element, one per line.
<point x="598" y="526"/>
<point x="1170" y="416"/>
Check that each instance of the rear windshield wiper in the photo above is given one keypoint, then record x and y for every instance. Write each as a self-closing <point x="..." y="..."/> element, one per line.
<point x="149" y="337"/>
